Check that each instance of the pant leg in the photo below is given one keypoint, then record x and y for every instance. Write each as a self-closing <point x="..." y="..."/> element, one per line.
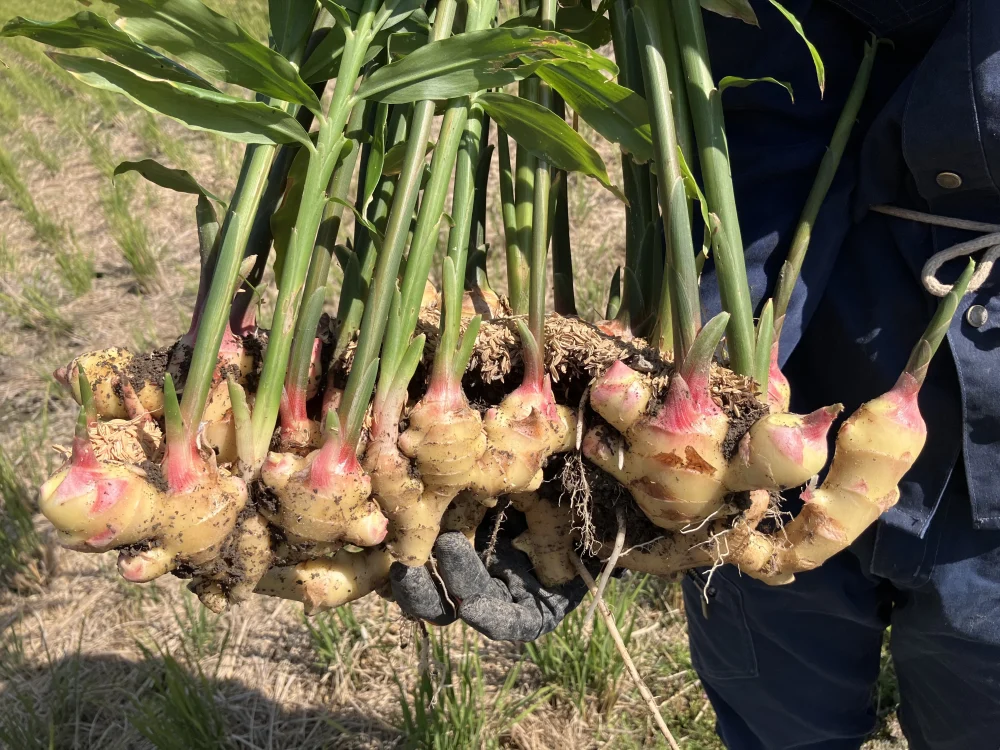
<point x="946" y="636"/>
<point x="791" y="666"/>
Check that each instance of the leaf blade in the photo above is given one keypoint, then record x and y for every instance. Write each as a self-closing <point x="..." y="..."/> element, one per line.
<point x="741" y="83"/>
<point x="89" y="30"/>
<point x="215" y="45"/>
<point x="547" y="136"/>
<point x="178" y="180"/>
<point x="473" y="61"/>
<point x="290" y="22"/>
<point x="196" y="108"/>
<point x="813" y="52"/>
<point x="740" y="9"/>
<point x="617" y="113"/>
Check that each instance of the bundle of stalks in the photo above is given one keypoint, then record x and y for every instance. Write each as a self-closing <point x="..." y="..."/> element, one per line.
<point x="301" y="461"/>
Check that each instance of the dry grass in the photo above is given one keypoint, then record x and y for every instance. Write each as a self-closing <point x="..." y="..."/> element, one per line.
<point x="89" y="661"/>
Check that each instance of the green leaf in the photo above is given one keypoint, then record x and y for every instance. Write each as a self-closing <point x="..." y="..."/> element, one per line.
<point x="376" y="157"/>
<point x="373" y="232"/>
<point x="732" y="9"/>
<point x="617" y="113"/>
<point x="215" y="45"/>
<point x="813" y="52"/>
<point x="547" y="136"/>
<point x="87" y="29"/>
<point x="178" y="180"/>
<point x="291" y="21"/>
<point x="741" y="83"/>
<point x="463" y="354"/>
<point x="198" y="109"/>
<point x="614" y="295"/>
<point x="395" y="12"/>
<point x="322" y="64"/>
<point x="762" y="350"/>
<point x="578" y="22"/>
<point x="470" y="62"/>
<point x="395" y="156"/>
<point x="691" y="186"/>
<point x="356" y="413"/>
<point x="340" y="15"/>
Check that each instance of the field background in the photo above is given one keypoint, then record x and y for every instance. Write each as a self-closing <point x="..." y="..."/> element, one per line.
<point x="90" y="661"/>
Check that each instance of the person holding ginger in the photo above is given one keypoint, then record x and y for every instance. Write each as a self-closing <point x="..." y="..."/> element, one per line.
<point x="794" y="666"/>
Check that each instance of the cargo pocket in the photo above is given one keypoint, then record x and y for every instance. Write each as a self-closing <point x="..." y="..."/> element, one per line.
<point x="721" y="643"/>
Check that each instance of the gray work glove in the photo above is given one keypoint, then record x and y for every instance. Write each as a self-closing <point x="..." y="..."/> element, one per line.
<point x="504" y="602"/>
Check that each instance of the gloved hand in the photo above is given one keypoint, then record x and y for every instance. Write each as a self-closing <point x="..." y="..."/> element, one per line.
<point x="504" y="602"/>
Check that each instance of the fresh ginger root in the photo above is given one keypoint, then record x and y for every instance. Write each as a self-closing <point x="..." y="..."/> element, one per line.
<point x="672" y="461"/>
<point x="445" y="440"/>
<point x="549" y="540"/>
<point x="324" y="497"/>
<point x="526" y="428"/>
<point x="127" y="386"/>
<point x="876" y="446"/>
<point x="100" y="505"/>
<point x="329" y="582"/>
<point x="450" y="464"/>
<point x="465" y="514"/>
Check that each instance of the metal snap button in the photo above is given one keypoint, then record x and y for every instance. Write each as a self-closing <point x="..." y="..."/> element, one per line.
<point x="976" y="316"/>
<point x="949" y="180"/>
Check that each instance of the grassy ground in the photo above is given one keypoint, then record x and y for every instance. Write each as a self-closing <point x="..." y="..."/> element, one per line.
<point x="89" y="661"/>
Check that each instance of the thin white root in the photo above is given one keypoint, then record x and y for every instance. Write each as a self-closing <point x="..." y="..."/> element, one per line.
<point x="609" y="622"/>
<point x="609" y="567"/>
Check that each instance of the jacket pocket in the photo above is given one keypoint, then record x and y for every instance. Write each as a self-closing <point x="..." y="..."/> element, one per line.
<point x="721" y="644"/>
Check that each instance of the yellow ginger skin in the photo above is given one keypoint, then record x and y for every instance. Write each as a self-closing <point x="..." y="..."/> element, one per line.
<point x="781" y="451"/>
<point x="114" y="397"/>
<point x="465" y="514"/>
<point x="621" y="396"/>
<point x="445" y="440"/>
<point x="323" y="497"/>
<point x="875" y="447"/>
<point x="525" y="429"/>
<point x="103" y="369"/>
<point x="549" y="538"/>
<point x="329" y="582"/>
<point x="230" y="582"/>
<point x="673" y="464"/>
<point x="454" y="450"/>
<point x="96" y="506"/>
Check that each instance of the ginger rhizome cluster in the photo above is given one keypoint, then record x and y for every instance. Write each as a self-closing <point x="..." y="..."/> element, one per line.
<point x="303" y="458"/>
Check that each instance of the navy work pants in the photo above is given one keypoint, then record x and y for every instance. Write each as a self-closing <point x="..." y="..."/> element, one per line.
<point x="795" y="666"/>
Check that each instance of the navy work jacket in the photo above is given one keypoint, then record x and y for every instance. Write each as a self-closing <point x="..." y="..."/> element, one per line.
<point x="932" y="109"/>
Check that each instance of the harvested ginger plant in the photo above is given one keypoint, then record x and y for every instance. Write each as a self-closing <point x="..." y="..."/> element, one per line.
<point x="302" y="461"/>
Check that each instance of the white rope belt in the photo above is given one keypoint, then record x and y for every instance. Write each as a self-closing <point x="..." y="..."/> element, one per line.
<point x="990" y="242"/>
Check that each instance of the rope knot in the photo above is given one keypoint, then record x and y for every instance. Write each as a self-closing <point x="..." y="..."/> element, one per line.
<point x="990" y="241"/>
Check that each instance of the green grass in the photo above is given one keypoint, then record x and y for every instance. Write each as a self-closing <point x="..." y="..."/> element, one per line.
<point x="448" y="707"/>
<point x="180" y="711"/>
<point x="584" y="666"/>
<point x="131" y="234"/>
<point x="201" y="630"/>
<point x="47" y="156"/>
<point x="19" y="542"/>
<point x="16" y="191"/>
<point x="332" y="635"/>
<point x="49" y="714"/>
<point x="8" y="258"/>
<point x="76" y="268"/>
<point x="34" y="309"/>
